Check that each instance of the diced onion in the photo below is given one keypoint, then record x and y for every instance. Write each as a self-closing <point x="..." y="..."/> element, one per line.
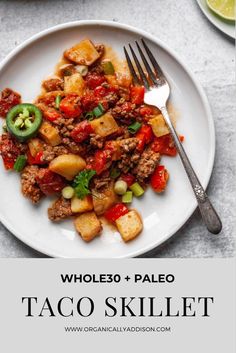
<point x="82" y="69"/>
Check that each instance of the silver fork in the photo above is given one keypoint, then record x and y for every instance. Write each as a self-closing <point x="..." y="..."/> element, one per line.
<point x="157" y="91"/>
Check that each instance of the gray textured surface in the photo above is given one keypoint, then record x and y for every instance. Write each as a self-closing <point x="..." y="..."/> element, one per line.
<point x="206" y="51"/>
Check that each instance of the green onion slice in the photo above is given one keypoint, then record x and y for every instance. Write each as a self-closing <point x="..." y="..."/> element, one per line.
<point x="89" y="116"/>
<point x="20" y="163"/>
<point x="114" y="173"/>
<point x="127" y="197"/>
<point x="57" y="101"/>
<point x="98" y="111"/>
<point x="133" y="128"/>
<point x="137" y="189"/>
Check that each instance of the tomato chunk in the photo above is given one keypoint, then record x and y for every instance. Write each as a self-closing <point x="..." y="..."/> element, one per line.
<point x="82" y="131"/>
<point x="165" y="145"/>
<point x="128" y="178"/>
<point x="49" y="182"/>
<point x="89" y="101"/>
<point x="116" y="212"/>
<point x="159" y="179"/>
<point x="70" y="106"/>
<point x="137" y="94"/>
<point x="94" y="80"/>
<point x="9" y="151"/>
<point x="8" y="99"/>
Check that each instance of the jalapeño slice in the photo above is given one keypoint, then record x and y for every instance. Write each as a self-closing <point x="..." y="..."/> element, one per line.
<point x="23" y="121"/>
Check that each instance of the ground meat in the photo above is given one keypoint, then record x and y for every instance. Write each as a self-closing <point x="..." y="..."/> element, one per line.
<point x="50" y="152"/>
<point x="65" y="126"/>
<point x="96" y="141"/>
<point x="123" y="115"/>
<point x="100" y="49"/>
<point x="124" y="93"/>
<point x="29" y="185"/>
<point x="60" y="209"/>
<point x="73" y="147"/>
<point x="53" y="84"/>
<point x="146" y="164"/>
<point x="128" y="145"/>
<point x="101" y="183"/>
<point x="129" y="155"/>
<point x="96" y="68"/>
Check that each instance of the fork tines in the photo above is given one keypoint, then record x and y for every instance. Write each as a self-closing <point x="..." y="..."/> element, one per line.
<point x="154" y="75"/>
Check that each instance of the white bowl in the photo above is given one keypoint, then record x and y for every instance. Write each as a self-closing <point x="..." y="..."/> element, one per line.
<point x="25" y="68"/>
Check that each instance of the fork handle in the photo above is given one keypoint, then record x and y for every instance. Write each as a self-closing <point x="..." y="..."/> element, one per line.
<point x="209" y="214"/>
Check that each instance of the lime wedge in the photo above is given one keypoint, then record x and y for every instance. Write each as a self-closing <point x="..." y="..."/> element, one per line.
<point x="223" y="8"/>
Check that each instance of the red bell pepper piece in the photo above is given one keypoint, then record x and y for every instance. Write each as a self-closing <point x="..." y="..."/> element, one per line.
<point x="82" y="131"/>
<point x="70" y="106"/>
<point x="116" y="212"/>
<point x="159" y="179"/>
<point x="51" y="114"/>
<point x="8" y="163"/>
<point x="137" y="94"/>
<point x="98" y="162"/>
<point x="144" y="136"/>
<point x="37" y="160"/>
<point x="145" y="111"/>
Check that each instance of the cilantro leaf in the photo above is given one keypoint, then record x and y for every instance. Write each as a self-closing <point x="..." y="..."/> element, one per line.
<point x="81" y="183"/>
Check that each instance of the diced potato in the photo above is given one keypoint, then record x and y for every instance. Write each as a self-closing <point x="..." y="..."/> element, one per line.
<point x="112" y="80"/>
<point x="84" y="205"/>
<point x="116" y="150"/>
<point x="49" y="134"/>
<point x="74" y="84"/>
<point x="129" y="225"/>
<point x="105" y="126"/>
<point x="102" y="201"/>
<point x="67" y="165"/>
<point x="158" y="125"/>
<point x="35" y="145"/>
<point x="88" y="225"/>
<point x="83" y="53"/>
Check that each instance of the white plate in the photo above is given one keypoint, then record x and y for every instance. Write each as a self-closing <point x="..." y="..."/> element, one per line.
<point x="23" y="71"/>
<point x="227" y="27"/>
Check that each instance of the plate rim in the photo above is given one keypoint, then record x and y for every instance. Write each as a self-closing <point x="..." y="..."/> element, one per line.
<point x="198" y="87"/>
<point x="211" y="19"/>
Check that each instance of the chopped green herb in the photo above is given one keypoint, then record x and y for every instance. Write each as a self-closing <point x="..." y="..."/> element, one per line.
<point x="20" y="163"/>
<point x="133" y="128"/>
<point x="81" y="183"/>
